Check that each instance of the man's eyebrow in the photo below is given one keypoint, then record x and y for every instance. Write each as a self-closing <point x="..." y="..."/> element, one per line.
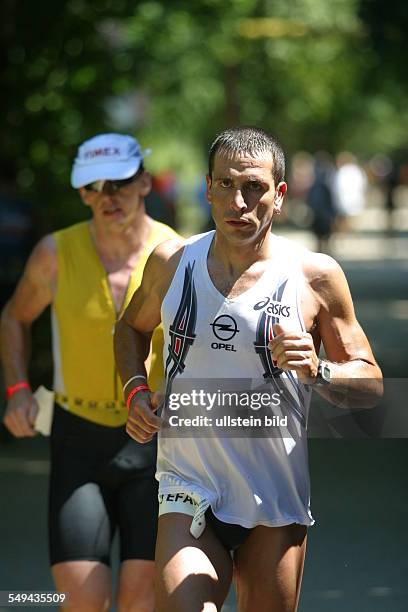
<point x="249" y="177"/>
<point x="256" y="179"/>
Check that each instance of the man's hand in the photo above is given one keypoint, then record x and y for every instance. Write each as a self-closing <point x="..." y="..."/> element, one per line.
<point x="294" y="350"/>
<point x="142" y="421"/>
<point x="21" y="413"/>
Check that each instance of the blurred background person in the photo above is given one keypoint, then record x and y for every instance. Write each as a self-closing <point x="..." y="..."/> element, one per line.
<point x="321" y="202"/>
<point x="349" y="190"/>
<point x="100" y="481"/>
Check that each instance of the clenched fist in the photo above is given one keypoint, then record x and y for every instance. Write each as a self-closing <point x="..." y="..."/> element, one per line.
<point x="21" y="411"/>
<point x="142" y="422"/>
<point x="294" y="350"/>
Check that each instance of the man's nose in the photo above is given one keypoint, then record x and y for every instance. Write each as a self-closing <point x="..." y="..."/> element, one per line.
<point x="108" y="188"/>
<point x="238" y="202"/>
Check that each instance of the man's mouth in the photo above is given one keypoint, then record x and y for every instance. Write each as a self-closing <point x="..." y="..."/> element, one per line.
<point x="238" y="222"/>
<point x="109" y="212"/>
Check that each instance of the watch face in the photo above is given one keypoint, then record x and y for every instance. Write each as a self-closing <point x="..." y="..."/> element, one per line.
<point x="325" y="372"/>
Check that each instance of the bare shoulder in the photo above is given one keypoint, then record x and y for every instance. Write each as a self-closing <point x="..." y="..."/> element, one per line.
<point x="158" y="272"/>
<point x="44" y="253"/>
<point x="42" y="265"/>
<point x="320" y="268"/>
<point x="164" y="259"/>
<point x="36" y="288"/>
<point x="327" y="281"/>
<point x="143" y="311"/>
<point x="167" y="250"/>
<point x="322" y="272"/>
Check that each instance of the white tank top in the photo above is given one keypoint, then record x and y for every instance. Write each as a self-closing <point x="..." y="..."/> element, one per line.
<point x="223" y="343"/>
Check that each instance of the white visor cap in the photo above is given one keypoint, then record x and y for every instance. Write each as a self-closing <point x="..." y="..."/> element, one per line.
<point x="109" y="157"/>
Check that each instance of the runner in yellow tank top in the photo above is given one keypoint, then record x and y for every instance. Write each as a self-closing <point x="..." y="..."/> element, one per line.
<point x="100" y="479"/>
<point x="84" y="303"/>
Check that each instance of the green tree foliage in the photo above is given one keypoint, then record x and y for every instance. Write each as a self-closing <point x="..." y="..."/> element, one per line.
<point x="56" y="74"/>
<point x="318" y="74"/>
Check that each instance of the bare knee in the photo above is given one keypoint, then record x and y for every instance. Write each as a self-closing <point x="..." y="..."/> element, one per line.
<point x="86" y="602"/>
<point x="195" y="593"/>
<point x="140" y="601"/>
<point x="136" y="586"/>
<point x="192" y="575"/>
<point x="87" y="585"/>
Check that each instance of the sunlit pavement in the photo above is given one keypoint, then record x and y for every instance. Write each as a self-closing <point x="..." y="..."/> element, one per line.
<point x="356" y="559"/>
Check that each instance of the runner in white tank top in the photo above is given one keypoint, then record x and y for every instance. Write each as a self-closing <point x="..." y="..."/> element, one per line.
<point x="260" y="480"/>
<point x="244" y="306"/>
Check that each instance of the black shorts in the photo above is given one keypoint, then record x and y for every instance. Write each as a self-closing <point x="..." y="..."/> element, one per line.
<point x="229" y="534"/>
<point x="100" y="480"/>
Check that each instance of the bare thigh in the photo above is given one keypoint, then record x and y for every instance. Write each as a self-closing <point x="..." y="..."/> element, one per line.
<point x="192" y="575"/>
<point x="87" y="585"/>
<point x="269" y="568"/>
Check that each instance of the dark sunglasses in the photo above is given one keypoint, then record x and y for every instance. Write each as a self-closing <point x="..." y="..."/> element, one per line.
<point x="113" y="186"/>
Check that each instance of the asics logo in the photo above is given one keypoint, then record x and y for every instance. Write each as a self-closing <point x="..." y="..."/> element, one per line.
<point x="273" y="308"/>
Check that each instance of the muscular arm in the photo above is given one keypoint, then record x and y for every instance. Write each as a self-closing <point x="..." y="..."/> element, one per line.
<point x="356" y="376"/>
<point x="33" y="294"/>
<point x="134" y="330"/>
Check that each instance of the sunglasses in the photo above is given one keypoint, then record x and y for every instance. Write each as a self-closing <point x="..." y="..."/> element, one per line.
<point x="112" y="186"/>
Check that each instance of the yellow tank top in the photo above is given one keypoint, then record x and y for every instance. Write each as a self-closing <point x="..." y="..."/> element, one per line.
<point x="83" y="314"/>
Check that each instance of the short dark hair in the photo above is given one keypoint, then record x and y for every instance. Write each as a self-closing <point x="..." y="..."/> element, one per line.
<point x="250" y="140"/>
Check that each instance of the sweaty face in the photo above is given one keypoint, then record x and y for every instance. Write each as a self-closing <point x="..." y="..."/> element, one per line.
<point x="120" y="207"/>
<point x="243" y="196"/>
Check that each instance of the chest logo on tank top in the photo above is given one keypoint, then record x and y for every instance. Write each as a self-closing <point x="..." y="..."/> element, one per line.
<point x="272" y="307"/>
<point x="292" y="395"/>
<point x="224" y="328"/>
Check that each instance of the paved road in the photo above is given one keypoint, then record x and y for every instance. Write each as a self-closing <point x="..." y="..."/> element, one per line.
<point x="356" y="559"/>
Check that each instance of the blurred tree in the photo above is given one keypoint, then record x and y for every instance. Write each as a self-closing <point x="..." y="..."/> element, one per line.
<point x="56" y="72"/>
<point x="176" y="73"/>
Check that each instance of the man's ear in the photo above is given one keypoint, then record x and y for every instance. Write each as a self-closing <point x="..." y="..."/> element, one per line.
<point x="84" y="195"/>
<point x="145" y="183"/>
<point x="208" y="190"/>
<point x="280" y="191"/>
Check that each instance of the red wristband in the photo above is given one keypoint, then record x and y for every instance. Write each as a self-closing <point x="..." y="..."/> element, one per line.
<point x="14" y="388"/>
<point x="133" y="393"/>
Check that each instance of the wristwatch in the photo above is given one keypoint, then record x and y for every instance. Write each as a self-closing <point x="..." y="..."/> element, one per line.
<point x="323" y="374"/>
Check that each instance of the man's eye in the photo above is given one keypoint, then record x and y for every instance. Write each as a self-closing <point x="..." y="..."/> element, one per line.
<point x="254" y="186"/>
<point x="225" y="183"/>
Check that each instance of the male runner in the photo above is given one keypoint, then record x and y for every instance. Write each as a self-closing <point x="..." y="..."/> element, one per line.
<point x="100" y="479"/>
<point x="273" y="304"/>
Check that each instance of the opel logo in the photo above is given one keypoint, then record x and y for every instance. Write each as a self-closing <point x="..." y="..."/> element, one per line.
<point x="224" y="327"/>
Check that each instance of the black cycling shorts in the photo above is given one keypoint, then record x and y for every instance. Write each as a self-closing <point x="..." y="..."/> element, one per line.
<point x="100" y="480"/>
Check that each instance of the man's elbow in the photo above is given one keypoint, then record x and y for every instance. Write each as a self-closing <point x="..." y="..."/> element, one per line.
<point x="378" y="383"/>
<point x="373" y="389"/>
<point x="10" y="321"/>
<point x="376" y="393"/>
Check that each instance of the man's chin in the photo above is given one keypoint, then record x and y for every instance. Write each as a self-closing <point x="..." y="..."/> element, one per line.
<point x="243" y="237"/>
<point x="115" y="220"/>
